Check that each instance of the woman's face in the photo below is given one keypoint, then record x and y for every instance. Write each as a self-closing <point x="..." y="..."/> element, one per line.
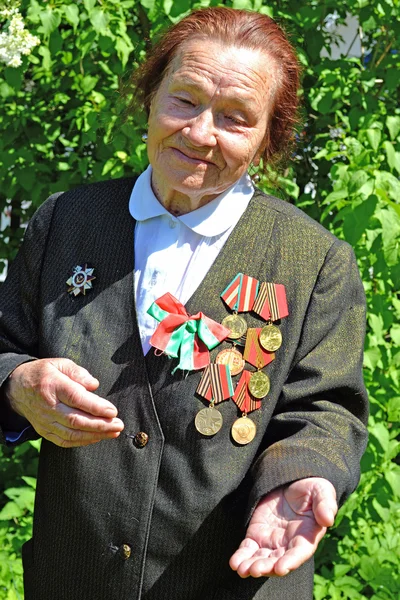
<point x="207" y="120"/>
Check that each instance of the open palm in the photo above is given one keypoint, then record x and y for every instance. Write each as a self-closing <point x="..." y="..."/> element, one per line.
<point x="285" y="528"/>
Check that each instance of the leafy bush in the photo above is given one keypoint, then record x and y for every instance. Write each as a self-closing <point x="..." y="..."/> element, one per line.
<point x="60" y="125"/>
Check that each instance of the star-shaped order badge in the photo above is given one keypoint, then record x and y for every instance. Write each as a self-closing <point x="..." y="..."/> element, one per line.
<point x="80" y="280"/>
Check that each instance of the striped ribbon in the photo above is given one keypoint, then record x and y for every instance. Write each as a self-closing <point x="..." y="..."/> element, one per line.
<point x="216" y="383"/>
<point x="241" y="293"/>
<point x="242" y="397"/>
<point x="271" y="303"/>
<point x="254" y="353"/>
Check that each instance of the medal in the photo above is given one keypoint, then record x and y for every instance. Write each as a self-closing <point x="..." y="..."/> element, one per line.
<point x="270" y="337"/>
<point x="233" y="358"/>
<point x="271" y="305"/>
<point x="80" y="280"/>
<point x="236" y="324"/>
<point x="215" y="386"/>
<point x="239" y="295"/>
<point x="208" y="421"/>
<point x="259" y="384"/>
<point x="243" y="430"/>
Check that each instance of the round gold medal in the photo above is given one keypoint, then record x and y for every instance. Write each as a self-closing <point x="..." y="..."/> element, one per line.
<point x="236" y="324"/>
<point x="259" y="384"/>
<point x="233" y="358"/>
<point x="270" y="338"/>
<point x="208" y="421"/>
<point x="243" y="430"/>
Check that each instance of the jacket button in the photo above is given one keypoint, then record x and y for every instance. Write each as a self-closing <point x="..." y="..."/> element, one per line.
<point x="126" y="551"/>
<point x="141" y="439"/>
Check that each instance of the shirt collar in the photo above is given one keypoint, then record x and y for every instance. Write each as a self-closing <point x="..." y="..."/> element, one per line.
<point x="209" y="220"/>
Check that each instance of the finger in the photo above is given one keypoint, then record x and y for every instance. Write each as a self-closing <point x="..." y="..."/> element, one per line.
<point x="75" y="395"/>
<point x="299" y="552"/>
<point x="76" y="373"/>
<point x="245" y="551"/>
<point x="68" y="438"/>
<point x="324" y="503"/>
<point x="260" y="565"/>
<point x="76" y="419"/>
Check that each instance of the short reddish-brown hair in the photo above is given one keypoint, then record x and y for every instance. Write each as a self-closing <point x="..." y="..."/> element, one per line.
<point x="239" y="28"/>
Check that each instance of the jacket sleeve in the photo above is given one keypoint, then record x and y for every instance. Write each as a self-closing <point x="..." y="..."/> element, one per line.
<point x="19" y="308"/>
<point x="318" y="428"/>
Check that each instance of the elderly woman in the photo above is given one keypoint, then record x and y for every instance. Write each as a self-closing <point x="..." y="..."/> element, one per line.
<point x="186" y="494"/>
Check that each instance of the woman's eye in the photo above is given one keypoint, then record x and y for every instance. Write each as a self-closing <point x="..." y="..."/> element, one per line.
<point x="235" y="120"/>
<point x="185" y="101"/>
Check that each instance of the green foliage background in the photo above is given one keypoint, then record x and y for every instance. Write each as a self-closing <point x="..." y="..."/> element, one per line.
<point x="60" y="126"/>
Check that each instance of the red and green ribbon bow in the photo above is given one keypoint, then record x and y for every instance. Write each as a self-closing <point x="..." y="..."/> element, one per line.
<point x="188" y="337"/>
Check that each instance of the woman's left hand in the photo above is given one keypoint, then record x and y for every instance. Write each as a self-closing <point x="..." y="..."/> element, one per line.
<point x="285" y="528"/>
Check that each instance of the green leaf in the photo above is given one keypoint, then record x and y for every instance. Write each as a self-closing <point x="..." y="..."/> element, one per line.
<point x="72" y="14"/>
<point x="357" y="180"/>
<point x="99" y="19"/>
<point x="383" y="512"/>
<point x="395" y="332"/>
<point x="45" y="53"/>
<point x="376" y="323"/>
<point x="23" y="496"/>
<point x="31" y="481"/>
<point x="242" y="4"/>
<point x="124" y="50"/>
<point x="374" y="137"/>
<point x="35" y="443"/>
<point x="393" y="157"/>
<point x="380" y="432"/>
<point x="393" y="409"/>
<point x="372" y="358"/>
<point x="149" y="4"/>
<point x="50" y="20"/>
<point x="87" y="83"/>
<point x="390" y="222"/>
<point x="10" y="511"/>
<point x="89" y="5"/>
<point x="357" y="220"/>
<point x="389" y="183"/>
<point x="393" y="125"/>
<point x="13" y="77"/>
<point x="393" y="478"/>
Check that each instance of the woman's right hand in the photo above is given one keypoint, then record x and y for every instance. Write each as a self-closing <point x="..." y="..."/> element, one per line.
<point x="56" y="396"/>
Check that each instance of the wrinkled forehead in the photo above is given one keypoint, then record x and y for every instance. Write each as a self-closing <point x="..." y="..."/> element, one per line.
<point x="225" y="65"/>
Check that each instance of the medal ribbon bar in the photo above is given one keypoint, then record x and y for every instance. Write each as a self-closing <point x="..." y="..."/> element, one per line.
<point x="242" y="398"/>
<point x="254" y="353"/>
<point x="271" y="303"/>
<point x="241" y="293"/>
<point x="216" y="383"/>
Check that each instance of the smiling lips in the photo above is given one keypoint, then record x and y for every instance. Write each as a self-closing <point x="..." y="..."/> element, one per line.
<point x="192" y="158"/>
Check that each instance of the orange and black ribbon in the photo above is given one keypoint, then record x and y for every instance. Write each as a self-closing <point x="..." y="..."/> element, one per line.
<point x="216" y="383"/>
<point x="271" y="303"/>
<point x="242" y="397"/>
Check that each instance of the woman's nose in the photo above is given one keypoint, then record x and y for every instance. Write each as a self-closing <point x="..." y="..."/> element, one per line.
<point x="201" y="130"/>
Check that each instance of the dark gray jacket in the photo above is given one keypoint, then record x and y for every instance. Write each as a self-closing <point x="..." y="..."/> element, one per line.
<point x="181" y="502"/>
